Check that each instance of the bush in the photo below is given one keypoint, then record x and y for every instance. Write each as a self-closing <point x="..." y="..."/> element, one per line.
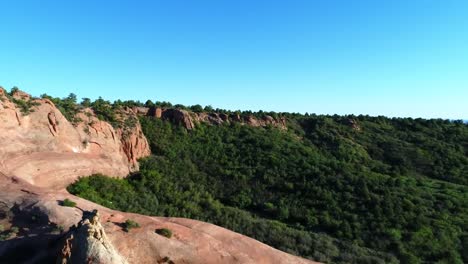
<point x="68" y="203"/>
<point x="58" y="229"/>
<point x="129" y="224"/>
<point x="14" y="230"/>
<point x="25" y="106"/>
<point x="164" y="232"/>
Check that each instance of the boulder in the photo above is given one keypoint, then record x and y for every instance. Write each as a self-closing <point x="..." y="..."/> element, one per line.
<point x="88" y="243"/>
<point x="178" y="116"/>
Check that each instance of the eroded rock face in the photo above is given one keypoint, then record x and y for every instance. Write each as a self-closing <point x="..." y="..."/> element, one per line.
<point x="20" y="95"/>
<point x="88" y="243"/>
<point x="45" y="149"/>
<point x="178" y="116"/>
<point x="189" y="119"/>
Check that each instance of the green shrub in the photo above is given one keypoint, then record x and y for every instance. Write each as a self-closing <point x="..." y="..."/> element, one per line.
<point x="14" y="229"/>
<point x="57" y="229"/>
<point x="69" y="203"/>
<point x="25" y="106"/>
<point x="164" y="232"/>
<point x="129" y="224"/>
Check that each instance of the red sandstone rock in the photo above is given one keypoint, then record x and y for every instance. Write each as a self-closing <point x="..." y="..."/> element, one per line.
<point x="140" y="110"/>
<point x="235" y="117"/>
<point x="251" y="121"/>
<point x="20" y="95"/>
<point x="158" y="113"/>
<point x="188" y="119"/>
<point x="43" y="135"/>
<point x="192" y="241"/>
<point x="178" y="116"/>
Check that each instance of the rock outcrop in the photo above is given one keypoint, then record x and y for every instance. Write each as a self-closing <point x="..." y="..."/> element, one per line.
<point x="88" y="243"/>
<point x="177" y="116"/>
<point x="45" y="233"/>
<point x="189" y="119"/>
<point x="45" y="149"/>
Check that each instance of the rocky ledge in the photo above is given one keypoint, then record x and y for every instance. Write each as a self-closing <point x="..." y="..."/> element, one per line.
<point x="44" y="148"/>
<point x="189" y="119"/>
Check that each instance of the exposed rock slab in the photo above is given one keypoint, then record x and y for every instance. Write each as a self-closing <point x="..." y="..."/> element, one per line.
<point x="192" y="241"/>
<point x="45" y="149"/>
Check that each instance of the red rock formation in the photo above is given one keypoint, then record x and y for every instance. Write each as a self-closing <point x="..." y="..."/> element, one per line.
<point x="20" y="95"/>
<point x="188" y="119"/>
<point x="192" y="241"/>
<point x="44" y="134"/>
<point x="158" y="113"/>
<point x="134" y="145"/>
<point x="154" y="112"/>
<point x="235" y="117"/>
<point x="87" y="243"/>
<point x="178" y="116"/>
<point x="251" y="121"/>
<point x="52" y="123"/>
<point x="224" y="117"/>
<point x="140" y="110"/>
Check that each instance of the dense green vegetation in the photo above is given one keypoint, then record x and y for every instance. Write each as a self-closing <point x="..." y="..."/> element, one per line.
<point x="335" y="189"/>
<point x="68" y="203"/>
<point x="130" y="224"/>
<point x="25" y="105"/>
<point x="164" y="232"/>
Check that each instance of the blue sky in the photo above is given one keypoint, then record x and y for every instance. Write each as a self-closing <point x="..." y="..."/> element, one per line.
<point x="393" y="58"/>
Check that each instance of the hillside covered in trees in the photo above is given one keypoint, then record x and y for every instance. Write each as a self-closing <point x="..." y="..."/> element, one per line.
<point x="341" y="189"/>
<point x="331" y="188"/>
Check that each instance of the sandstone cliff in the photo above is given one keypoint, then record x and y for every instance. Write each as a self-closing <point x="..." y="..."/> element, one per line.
<point x="189" y="119"/>
<point x="87" y="243"/>
<point x="42" y="147"/>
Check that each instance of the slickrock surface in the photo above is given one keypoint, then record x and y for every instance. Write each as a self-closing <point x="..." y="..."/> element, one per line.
<point x="192" y="241"/>
<point x="45" y="149"/>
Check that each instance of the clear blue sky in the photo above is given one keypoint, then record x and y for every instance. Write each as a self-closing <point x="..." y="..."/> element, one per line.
<point x="394" y="57"/>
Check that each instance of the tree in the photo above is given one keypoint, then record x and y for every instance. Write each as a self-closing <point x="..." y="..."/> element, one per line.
<point x="196" y="108"/>
<point x="149" y="103"/>
<point x="208" y="108"/>
<point x="86" y="102"/>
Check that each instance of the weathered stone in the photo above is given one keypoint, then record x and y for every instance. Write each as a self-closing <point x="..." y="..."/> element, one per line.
<point x="45" y="149"/>
<point x="88" y="243"/>
<point x="180" y="117"/>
